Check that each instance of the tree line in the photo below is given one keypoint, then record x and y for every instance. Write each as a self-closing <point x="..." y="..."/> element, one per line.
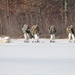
<point x="15" y="13"/>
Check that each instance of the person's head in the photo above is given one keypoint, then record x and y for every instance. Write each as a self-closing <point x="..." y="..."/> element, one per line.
<point x="71" y="26"/>
<point x="33" y="26"/>
<point x="53" y="26"/>
<point x="24" y="24"/>
<point x="36" y="25"/>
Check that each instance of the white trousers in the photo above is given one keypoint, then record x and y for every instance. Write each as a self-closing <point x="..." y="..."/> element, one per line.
<point x="71" y="37"/>
<point x="36" y="38"/>
<point x="52" y="37"/>
<point x="26" y="36"/>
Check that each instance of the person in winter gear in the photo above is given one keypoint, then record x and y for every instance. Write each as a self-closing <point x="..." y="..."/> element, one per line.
<point x="70" y="33"/>
<point x="35" y="33"/>
<point x="52" y="32"/>
<point x="26" y="31"/>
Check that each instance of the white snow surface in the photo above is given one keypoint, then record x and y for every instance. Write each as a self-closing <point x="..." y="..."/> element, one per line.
<point x="43" y="58"/>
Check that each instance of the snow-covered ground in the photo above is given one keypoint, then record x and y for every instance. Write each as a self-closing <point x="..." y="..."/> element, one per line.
<point x="43" y="58"/>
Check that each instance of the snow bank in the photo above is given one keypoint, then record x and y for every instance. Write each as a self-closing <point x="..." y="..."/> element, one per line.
<point x="43" y="58"/>
<point x="61" y="49"/>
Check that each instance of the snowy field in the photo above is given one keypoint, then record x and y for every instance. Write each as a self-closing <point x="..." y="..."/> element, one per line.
<point x="43" y="58"/>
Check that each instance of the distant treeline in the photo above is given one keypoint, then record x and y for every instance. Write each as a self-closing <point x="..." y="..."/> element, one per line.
<point x="15" y="13"/>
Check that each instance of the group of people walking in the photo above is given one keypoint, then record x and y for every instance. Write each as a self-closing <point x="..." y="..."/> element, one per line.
<point x="34" y="32"/>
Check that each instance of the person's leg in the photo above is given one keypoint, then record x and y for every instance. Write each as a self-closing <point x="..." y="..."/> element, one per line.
<point x="73" y="37"/>
<point x="36" y="38"/>
<point x="51" y="38"/>
<point x="32" y="39"/>
<point x="69" y="37"/>
<point x="26" y="37"/>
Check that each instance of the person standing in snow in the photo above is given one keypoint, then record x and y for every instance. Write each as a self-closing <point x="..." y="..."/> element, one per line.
<point x="35" y="33"/>
<point x="26" y="31"/>
<point x="71" y="33"/>
<point x="52" y="32"/>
